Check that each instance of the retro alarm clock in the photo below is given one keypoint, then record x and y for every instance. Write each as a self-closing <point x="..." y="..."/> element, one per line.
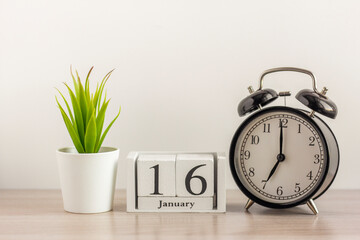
<point x="281" y="157"/>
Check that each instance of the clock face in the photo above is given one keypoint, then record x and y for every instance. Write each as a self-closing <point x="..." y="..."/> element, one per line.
<point x="280" y="156"/>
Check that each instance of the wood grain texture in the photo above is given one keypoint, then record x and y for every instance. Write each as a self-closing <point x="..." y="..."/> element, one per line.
<point x="38" y="214"/>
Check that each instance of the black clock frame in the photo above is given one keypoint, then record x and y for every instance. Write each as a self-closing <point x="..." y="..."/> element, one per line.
<point x="326" y="157"/>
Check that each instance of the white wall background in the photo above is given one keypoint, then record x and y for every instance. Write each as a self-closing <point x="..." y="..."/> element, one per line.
<point x="181" y="69"/>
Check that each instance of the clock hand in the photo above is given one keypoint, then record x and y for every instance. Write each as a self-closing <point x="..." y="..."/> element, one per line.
<point x="272" y="171"/>
<point x="280" y="157"/>
<point x="281" y="139"/>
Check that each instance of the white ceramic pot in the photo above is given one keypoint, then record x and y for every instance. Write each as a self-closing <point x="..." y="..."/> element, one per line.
<point x="88" y="179"/>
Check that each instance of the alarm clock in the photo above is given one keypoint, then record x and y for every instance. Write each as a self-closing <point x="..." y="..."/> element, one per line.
<point x="281" y="157"/>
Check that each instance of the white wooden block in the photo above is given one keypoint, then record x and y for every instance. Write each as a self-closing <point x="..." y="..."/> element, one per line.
<point x="176" y="204"/>
<point x="195" y="175"/>
<point x="151" y="203"/>
<point x="156" y="175"/>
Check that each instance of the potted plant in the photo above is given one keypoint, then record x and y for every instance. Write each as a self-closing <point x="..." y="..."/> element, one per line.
<point x="87" y="170"/>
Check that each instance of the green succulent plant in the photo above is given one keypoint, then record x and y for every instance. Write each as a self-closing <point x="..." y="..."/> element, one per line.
<point x="85" y="120"/>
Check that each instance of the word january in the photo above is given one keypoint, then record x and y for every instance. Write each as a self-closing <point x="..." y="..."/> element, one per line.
<point x="176" y="204"/>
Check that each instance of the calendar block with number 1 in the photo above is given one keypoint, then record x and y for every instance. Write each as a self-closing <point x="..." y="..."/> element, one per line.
<point x="176" y="182"/>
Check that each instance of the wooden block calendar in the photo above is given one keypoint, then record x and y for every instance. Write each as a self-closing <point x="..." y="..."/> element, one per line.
<point x="176" y="182"/>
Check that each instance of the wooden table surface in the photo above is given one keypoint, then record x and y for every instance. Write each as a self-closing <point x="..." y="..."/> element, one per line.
<point x="39" y="214"/>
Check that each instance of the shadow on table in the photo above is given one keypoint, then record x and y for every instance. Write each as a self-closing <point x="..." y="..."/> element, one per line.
<point x="257" y="209"/>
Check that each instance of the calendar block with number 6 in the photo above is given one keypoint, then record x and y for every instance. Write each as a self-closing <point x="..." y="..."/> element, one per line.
<point x="176" y="182"/>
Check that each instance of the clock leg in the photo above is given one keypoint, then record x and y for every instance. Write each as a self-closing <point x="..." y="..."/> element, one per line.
<point x="249" y="204"/>
<point x="312" y="206"/>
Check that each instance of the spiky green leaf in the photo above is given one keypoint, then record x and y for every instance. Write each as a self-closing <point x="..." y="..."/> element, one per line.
<point x="106" y="131"/>
<point x="99" y="91"/>
<point x="77" y="113"/>
<point x="73" y="134"/>
<point x="90" y="135"/>
<point x="67" y="106"/>
<point x="87" y="85"/>
<point x="82" y="101"/>
<point x="74" y="82"/>
<point x="100" y="120"/>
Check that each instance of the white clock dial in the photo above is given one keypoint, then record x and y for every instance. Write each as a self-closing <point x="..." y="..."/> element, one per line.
<point x="281" y="157"/>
